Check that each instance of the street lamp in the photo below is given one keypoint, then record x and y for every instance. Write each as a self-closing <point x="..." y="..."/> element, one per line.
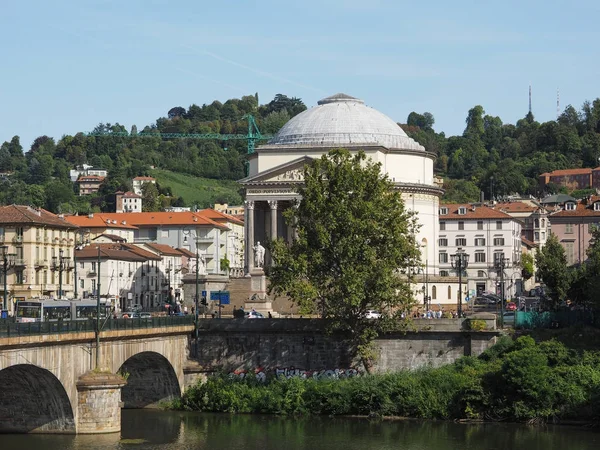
<point x="460" y="261"/>
<point x="501" y="263"/>
<point x="78" y="246"/>
<point x="61" y="264"/>
<point x="8" y="262"/>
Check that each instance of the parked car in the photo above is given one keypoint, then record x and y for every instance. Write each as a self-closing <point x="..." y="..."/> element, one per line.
<point x="145" y="315"/>
<point x="484" y="300"/>
<point x="509" y="318"/>
<point x="511" y="306"/>
<point x="372" y="314"/>
<point x="253" y="315"/>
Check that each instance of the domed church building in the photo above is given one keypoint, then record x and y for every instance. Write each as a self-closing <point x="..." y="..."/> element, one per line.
<point x="339" y="121"/>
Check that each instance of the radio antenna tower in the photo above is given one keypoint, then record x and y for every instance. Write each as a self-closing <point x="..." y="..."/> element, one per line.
<point x="557" y="103"/>
<point x="530" y="99"/>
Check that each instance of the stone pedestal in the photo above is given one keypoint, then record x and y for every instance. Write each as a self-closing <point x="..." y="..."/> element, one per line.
<point x="99" y="402"/>
<point x="258" y="299"/>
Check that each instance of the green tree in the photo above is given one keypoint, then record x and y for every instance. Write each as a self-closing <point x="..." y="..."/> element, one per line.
<point x="354" y="235"/>
<point x="551" y="263"/>
<point x="150" y="198"/>
<point x="527" y="266"/>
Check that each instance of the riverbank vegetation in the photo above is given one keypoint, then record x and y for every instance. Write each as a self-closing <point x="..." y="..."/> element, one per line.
<point x="516" y="380"/>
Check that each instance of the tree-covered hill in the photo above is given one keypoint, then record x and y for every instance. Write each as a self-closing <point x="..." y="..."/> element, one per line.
<point x="488" y="156"/>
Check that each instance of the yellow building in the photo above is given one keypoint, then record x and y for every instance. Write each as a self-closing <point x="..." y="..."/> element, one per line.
<point x="39" y="247"/>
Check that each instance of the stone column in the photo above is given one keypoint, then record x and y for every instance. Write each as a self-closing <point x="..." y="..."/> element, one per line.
<point x="273" y="206"/>
<point x="99" y="402"/>
<point x="249" y="253"/>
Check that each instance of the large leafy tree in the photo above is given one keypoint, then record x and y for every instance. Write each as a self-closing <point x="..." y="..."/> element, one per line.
<point x="551" y="263"/>
<point x="354" y="236"/>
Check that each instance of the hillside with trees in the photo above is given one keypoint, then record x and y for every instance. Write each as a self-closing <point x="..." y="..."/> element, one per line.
<point x="489" y="156"/>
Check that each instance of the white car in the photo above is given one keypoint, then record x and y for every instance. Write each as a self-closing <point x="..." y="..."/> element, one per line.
<point x="253" y="315"/>
<point x="372" y="314"/>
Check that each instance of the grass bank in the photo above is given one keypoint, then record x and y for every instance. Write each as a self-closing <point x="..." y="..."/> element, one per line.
<point x="516" y="380"/>
<point x="203" y="192"/>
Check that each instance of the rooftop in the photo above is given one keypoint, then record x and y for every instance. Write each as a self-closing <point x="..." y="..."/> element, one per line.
<point x="472" y="212"/>
<point x="163" y="249"/>
<point x="26" y="215"/>
<point x="141" y="219"/>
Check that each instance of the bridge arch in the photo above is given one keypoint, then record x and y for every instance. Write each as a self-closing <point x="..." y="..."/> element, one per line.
<point x="151" y="379"/>
<point x="33" y="400"/>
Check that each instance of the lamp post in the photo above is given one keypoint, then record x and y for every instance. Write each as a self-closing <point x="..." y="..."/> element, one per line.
<point x="460" y="261"/>
<point x="98" y="314"/>
<point x="8" y="262"/>
<point x="78" y="246"/>
<point x="196" y="299"/>
<point x="61" y="264"/>
<point x="501" y="263"/>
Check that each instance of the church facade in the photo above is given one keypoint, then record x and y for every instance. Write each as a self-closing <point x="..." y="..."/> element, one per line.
<point x="339" y="121"/>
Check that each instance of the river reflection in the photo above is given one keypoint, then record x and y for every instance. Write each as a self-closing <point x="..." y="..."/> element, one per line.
<point x="147" y="429"/>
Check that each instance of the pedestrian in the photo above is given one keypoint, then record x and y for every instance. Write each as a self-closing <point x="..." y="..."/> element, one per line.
<point x="270" y="315"/>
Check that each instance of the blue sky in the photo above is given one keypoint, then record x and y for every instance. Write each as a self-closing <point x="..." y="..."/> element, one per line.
<point x="68" y="65"/>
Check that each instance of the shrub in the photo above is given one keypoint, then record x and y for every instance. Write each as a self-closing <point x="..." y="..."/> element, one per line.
<point x="477" y="325"/>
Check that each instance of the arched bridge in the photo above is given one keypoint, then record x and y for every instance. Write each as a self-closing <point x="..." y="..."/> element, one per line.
<point x="50" y="384"/>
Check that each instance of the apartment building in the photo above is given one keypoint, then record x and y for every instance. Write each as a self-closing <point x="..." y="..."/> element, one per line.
<point x="487" y="236"/>
<point x="40" y="245"/>
<point x="128" y="202"/>
<point x="535" y="226"/>
<point x="89" y="184"/>
<point x="138" y="183"/>
<point x="573" y="226"/>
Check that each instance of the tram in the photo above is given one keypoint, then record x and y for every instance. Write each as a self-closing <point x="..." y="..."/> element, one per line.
<point x="50" y="310"/>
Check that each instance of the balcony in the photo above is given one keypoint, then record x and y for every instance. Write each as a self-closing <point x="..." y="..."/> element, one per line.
<point x="41" y="263"/>
<point x="2" y="237"/>
<point x="204" y="239"/>
<point x="17" y="239"/>
<point x="20" y="262"/>
<point x="39" y="237"/>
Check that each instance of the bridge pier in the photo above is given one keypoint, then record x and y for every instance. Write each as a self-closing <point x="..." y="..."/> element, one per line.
<point x="99" y="402"/>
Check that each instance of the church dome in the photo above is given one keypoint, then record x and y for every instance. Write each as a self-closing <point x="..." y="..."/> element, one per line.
<point x="342" y="120"/>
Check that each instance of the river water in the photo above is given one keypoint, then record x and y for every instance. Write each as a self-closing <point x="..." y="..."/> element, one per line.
<point x="148" y="429"/>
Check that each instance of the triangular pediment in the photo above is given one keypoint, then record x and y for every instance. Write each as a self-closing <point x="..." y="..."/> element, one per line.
<point x="292" y="171"/>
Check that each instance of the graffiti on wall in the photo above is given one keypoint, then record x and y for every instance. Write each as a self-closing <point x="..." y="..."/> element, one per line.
<point x="289" y="372"/>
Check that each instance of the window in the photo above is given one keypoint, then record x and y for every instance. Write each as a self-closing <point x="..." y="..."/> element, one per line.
<point x="570" y="252"/>
<point x="442" y="226"/>
<point x="498" y="224"/>
<point x="498" y="242"/>
<point x="537" y="235"/>
<point x="443" y="211"/>
<point x="443" y="257"/>
<point x="19" y="275"/>
<point x="569" y="228"/>
<point x="449" y="292"/>
<point x="480" y="242"/>
<point x="45" y="277"/>
<point x="481" y="274"/>
<point x="570" y="206"/>
<point x="479" y="257"/>
<point x="543" y="235"/>
<point x="20" y="233"/>
<point x="543" y="223"/>
<point x="444" y="273"/>
<point x="461" y="242"/>
<point x="462" y="211"/>
<point x="37" y="277"/>
<point x="94" y="286"/>
<point x="536" y="223"/>
<point x="480" y="224"/>
<point x="443" y="242"/>
<point x="82" y="265"/>
<point x="461" y="225"/>
<point x="434" y="293"/>
<point x="93" y="266"/>
<point x="81" y="283"/>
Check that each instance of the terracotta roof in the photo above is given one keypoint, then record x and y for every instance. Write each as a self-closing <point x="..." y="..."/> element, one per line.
<point x="186" y="252"/>
<point x="112" y="237"/>
<point x="219" y="216"/>
<point x="565" y="172"/>
<point x="90" y="178"/>
<point x="584" y="208"/>
<point x="100" y="220"/>
<point x="26" y="215"/>
<point x="163" y="249"/>
<point x="472" y="212"/>
<point x="129" y="194"/>
<point x="514" y="207"/>
<point x="141" y="252"/>
<point x="144" y="179"/>
<point x="528" y="243"/>
<point x="109" y="251"/>
<point x="162" y="218"/>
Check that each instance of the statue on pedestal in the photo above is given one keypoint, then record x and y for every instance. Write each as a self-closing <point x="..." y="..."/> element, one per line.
<point x="259" y="255"/>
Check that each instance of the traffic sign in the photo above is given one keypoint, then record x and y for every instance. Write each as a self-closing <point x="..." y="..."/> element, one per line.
<point x="204" y="294"/>
<point x="220" y="296"/>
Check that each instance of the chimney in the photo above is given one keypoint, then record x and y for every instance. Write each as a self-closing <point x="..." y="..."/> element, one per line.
<point x="90" y="215"/>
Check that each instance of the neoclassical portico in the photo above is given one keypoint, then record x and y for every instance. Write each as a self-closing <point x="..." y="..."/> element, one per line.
<point x="276" y="169"/>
